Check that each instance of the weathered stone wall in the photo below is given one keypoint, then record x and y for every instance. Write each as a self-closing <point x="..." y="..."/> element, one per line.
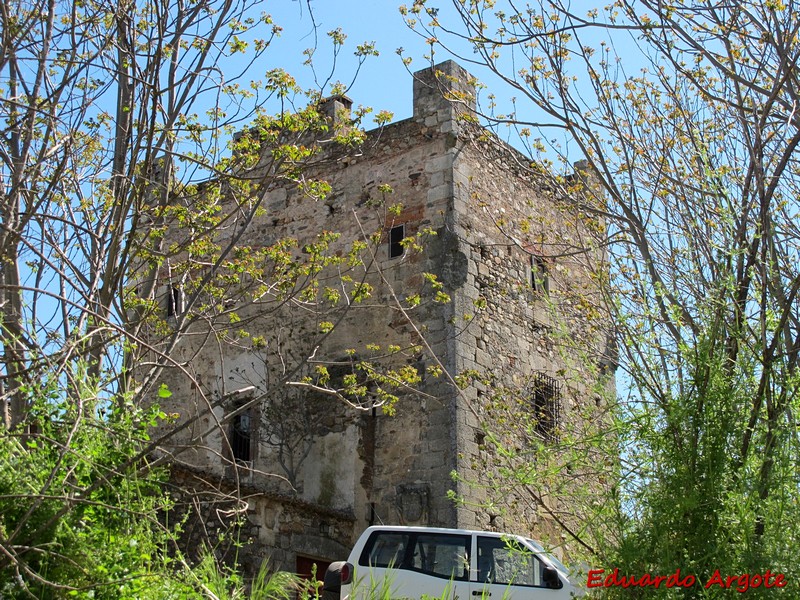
<point x="507" y="214"/>
<point x="255" y="525"/>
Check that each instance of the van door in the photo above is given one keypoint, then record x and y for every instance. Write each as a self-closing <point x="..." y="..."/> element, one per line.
<point x="507" y="570"/>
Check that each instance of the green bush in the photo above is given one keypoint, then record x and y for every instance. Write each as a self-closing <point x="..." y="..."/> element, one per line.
<point x="79" y="509"/>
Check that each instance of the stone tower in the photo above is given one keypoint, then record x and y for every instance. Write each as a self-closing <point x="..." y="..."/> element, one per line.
<point x="309" y="471"/>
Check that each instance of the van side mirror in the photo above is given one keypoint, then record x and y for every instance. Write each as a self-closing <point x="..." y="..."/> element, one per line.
<point x="551" y="578"/>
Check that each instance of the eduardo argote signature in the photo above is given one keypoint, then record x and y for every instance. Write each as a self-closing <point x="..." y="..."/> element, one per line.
<point x="741" y="582"/>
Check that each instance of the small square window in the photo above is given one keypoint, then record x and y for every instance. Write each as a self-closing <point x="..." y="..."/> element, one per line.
<point x="539" y="277"/>
<point x="396" y="236"/>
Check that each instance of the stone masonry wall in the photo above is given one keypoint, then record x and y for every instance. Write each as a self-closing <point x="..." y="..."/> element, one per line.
<point x="507" y="214"/>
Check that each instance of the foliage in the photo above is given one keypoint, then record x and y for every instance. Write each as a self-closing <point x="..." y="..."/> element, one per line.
<point x="685" y="115"/>
<point x="79" y="515"/>
<point x="131" y="193"/>
<point x="120" y="161"/>
<point x="222" y="584"/>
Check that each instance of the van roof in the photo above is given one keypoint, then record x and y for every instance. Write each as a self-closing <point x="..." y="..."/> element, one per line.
<point x="412" y="528"/>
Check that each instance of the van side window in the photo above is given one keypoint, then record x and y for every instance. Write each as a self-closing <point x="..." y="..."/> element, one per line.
<point x="385" y="549"/>
<point x="506" y="561"/>
<point x="442" y="555"/>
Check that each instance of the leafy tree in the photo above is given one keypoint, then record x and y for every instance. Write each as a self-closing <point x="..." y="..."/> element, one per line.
<point x="686" y="115"/>
<point x="114" y="112"/>
<point x="115" y="541"/>
<point x="123" y="182"/>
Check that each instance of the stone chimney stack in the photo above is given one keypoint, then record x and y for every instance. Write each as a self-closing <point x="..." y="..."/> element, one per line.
<point x="336" y="109"/>
<point x="442" y="92"/>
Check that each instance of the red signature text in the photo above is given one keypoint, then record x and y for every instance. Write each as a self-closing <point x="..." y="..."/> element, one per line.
<point x="744" y="582"/>
<point x="741" y="583"/>
<point x="614" y="579"/>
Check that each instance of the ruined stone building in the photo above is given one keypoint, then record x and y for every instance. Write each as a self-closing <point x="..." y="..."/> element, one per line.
<point x="518" y="343"/>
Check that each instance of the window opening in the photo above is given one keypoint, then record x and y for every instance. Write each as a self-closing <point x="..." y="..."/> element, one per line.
<point x="396" y="236"/>
<point x="539" y="278"/>
<point x="241" y="436"/>
<point x="174" y="301"/>
<point x="546" y="405"/>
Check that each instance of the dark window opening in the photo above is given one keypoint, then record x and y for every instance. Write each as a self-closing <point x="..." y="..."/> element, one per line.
<point x="174" y="301"/>
<point x="349" y="379"/>
<point x="240" y="437"/>
<point x="546" y="405"/>
<point x="396" y="236"/>
<point x="539" y="278"/>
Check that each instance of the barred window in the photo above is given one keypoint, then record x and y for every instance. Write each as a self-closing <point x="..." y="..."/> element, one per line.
<point x="545" y="398"/>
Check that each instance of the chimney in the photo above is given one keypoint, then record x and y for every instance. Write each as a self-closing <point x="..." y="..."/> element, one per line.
<point x="336" y="109"/>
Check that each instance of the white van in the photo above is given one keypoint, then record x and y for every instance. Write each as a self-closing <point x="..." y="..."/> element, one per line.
<point x="409" y="562"/>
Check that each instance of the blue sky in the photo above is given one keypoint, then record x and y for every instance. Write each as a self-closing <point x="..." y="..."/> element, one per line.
<point x="384" y="82"/>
